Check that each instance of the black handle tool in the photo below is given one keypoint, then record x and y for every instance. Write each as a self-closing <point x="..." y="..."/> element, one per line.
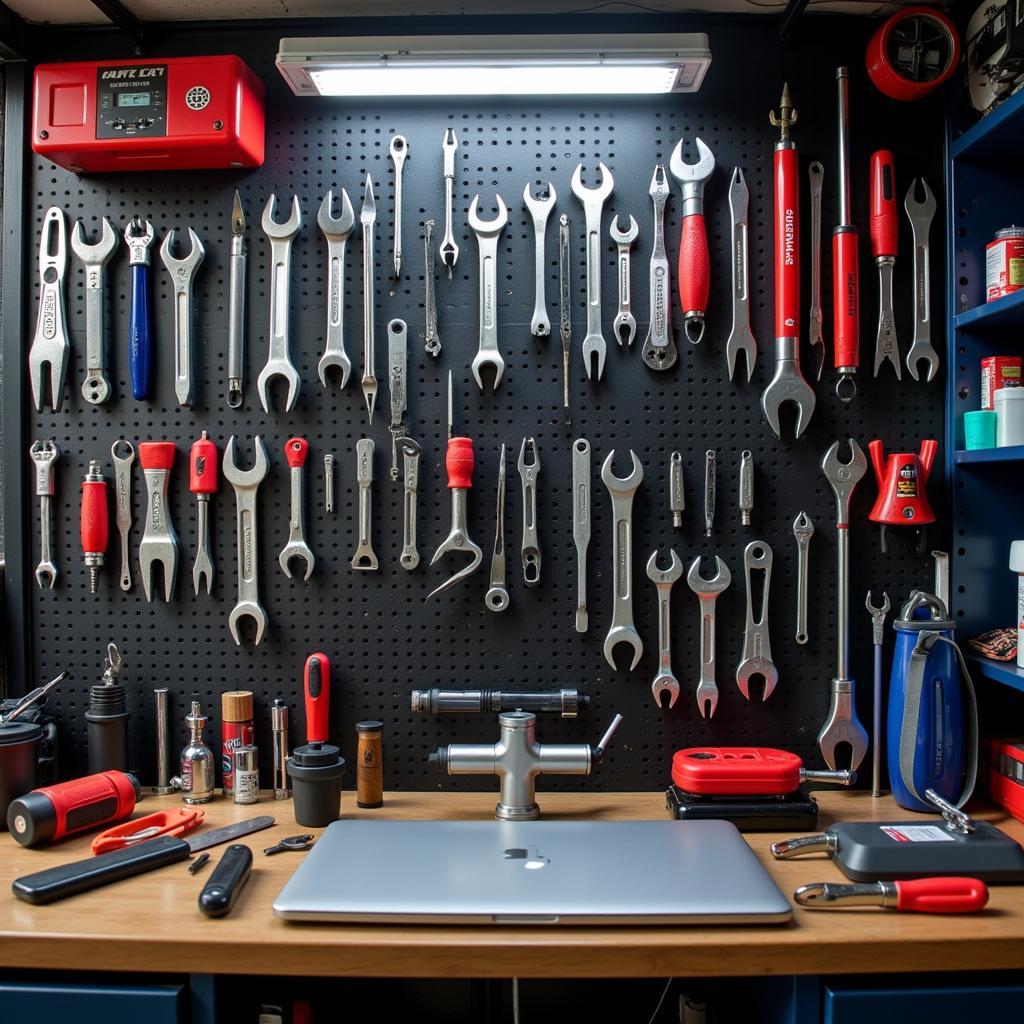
<point x="227" y="881"/>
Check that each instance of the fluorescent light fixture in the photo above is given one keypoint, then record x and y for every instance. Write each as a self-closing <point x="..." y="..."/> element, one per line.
<point x="519" y="65"/>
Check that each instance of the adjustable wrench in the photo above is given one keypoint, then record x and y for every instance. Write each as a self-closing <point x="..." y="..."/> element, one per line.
<point x="707" y="592"/>
<point x="665" y="681"/>
<point x="398" y="358"/>
<point x="44" y="456"/>
<point x="123" y="502"/>
<point x="449" y="251"/>
<point x="531" y="547"/>
<point x="336" y="231"/>
<point x="296" y="450"/>
<point x="50" y="345"/>
<point x="183" y="272"/>
<point x="410" y="557"/>
<point x="756" y="659"/>
<point x="246" y="484"/>
<point x="279" y="360"/>
<point x="399" y="150"/>
<point x="94" y="259"/>
<point x="159" y="542"/>
<point x="815" y="174"/>
<point x="236" y="305"/>
<point x="803" y="530"/>
<point x="694" y="278"/>
<point x="540" y="209"/>
<point x="368" y="218"/>
<point x="581" y="525"/>
<point x="622" y="491"/>
<point x="487" y="232"/>
<point x="921" y="214"/>
<point x="592" y="199"/>
<point x="659" y="351"/>
<point x="884" y="233"/>
<point x="431" y="340"/>
<point x="842" y="724"/>
<point x="139" y="235"/>
<point x="624" y="326"/>
<point x="496" y="597"/>
<point x="364" y="560"/>
<point x="741" y="337"/>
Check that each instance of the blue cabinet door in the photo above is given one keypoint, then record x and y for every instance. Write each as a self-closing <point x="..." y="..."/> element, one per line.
<point x="92" y="1004"/>
<point x="956" y="1004"/>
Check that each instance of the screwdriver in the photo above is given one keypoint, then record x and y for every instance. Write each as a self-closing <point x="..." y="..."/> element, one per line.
<point x="845" y="286"/>
<point x="884" y="233"/>
<point x="95" y="523"/>
<point x="202" y="482"/>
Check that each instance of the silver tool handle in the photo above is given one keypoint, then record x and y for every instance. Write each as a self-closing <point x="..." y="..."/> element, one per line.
<point x="410" y="557"/>
<point x="158" y="521"/>
<point x="328" y="482"/>
<point x="398" y="357"/>
<point x="335" y="341"/>
<point x="399" y="151"/>
<point x="922" y="284"/>
<point x="710" y="490"/>
<point x="581" y="525"/>
<point x="236" y="322"/>
<point x="606" y="739"/>
<point x="708" y="674"/>
<point x="756" y="639"/>
<point x="364" y="558"/>
<point x="431" y="341"/>
<point x="182" y="336"/>
<point x="625" y="298"/>
<point x="592" y="214"/>
<point x="540" y="323"/>
<point x="815" y="172"/>
<point x="95" y="320"/>
<point x="123" y="504"/>
<point x="280" y="276"/>
<point x="296" y="515"/>
<point x="664" y="629"/>
<point x="530" y="550"/>
<point x="368" y="300"/>
<point x="658" y="281"/>
<point x="488" y="245"/>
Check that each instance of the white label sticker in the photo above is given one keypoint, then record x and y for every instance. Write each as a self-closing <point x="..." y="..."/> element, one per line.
<point x="917" y="833"/>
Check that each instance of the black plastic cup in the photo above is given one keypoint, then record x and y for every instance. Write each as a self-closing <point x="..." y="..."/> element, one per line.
<point x="316" y="770"/>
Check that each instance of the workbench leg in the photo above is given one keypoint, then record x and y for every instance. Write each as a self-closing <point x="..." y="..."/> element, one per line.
<point x="203" y="989"/>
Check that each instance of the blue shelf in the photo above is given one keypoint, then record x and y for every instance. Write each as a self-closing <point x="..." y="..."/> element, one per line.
<point x="1012" y="453"/>
<point x="1005" y="312"/>
<point x="999" y="135"/>
<point x="1005" y="672"/>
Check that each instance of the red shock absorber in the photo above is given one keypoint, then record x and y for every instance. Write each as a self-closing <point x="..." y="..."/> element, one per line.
<point x="845" y="285"/>
<point x="95" y="522"/>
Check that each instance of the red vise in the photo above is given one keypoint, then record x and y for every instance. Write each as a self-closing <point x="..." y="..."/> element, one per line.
<point x="902" y="481"/>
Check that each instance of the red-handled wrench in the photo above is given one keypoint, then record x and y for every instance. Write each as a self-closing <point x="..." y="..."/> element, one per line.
<point x="845" y="284"/>
<point x="923" y="895"/>
<point x="694" y="275"/>
<point x="317" y="681"/>
<point x="202" y="482"/>
<point x="884" y="234"/>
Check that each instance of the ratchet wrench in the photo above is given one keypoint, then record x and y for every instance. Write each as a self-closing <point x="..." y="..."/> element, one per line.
<point x="123" y="502"/>
<point x="540" y="208"/>
<point x="581" y="525"/>
<point x="528" y="473"/>
<point x="496" y="597"/>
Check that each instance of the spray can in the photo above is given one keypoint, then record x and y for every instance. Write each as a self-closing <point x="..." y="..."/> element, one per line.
<point x="236" y="731"/>
<point x="246" y="775"/>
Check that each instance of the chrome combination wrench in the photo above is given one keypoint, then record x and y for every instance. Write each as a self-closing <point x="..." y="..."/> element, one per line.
<point x="496" y="597"/>
<point x="364" y="560"/>
<point x="659" y="351"/>
<point x="123" y="502"/>
<point x="756" y="659"/>
<point x="410" y="557"/>
<point x="803" y="530"/>
<point x="528" y="472"/>
<point x="94" y="259"/>
<point x="622" y="491"/>
<point x="540" y="208"/>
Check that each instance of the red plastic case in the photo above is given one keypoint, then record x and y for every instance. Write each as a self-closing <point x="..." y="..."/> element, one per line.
<point x="739" y="771"/>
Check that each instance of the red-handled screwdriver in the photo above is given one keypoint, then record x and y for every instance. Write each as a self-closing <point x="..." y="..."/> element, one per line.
<point x="884" y="233"/>
<point x="317" y="679"/>
<point x="922" y="895"/>
<point x="845" y="285"/>
<point x="202" y="482"/>
<point x="95" y="522"/>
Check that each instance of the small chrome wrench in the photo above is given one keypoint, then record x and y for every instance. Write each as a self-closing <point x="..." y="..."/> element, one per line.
<point x="364" y="560"/>
<point x="399" y="150"/>
<point x="815" y="173"/>
<point x="707" y="592"/>
<point x="803" y="530"/>
<point x="279" y="360"/>
<point x="296" y="450"/>
<point x="50" y="344"/>
<point x="665" y="681"/>
<point x="410" y="557"/>
<point x="183" y="274"/>
<point x="528" y="473"/>
<point x="921" y="214"/>
<point x="741" y="337"/>
<point x="44" y="456"/>
<point x="540" y="209"/>
<point x="94" y="259"/>
<point x="756" y="659"/>
<point x="487" y="233"/>
<point x="398" y="359"/>
<point x="368" y="218"/>
<point x="123" y="502"/>
<point x="624" y="326"/>
<point x="659" y="351"/>
<point x="592" y="200"/>
<point x="622" y="491"/>
<point x="431" y="340"/>
<point x="449" y="251"/>
<point x="336" y="231"/>
<point x="496" y="597"/>
<point x="581" y="525"/>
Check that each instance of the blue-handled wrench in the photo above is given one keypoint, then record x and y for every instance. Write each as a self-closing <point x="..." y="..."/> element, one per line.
<point x="139" y="237"/>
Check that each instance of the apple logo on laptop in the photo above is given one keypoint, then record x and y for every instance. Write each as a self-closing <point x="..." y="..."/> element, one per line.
<point x="531" y="858"/>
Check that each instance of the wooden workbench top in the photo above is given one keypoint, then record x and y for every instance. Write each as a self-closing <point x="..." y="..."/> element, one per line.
<point x="151" y="923"/>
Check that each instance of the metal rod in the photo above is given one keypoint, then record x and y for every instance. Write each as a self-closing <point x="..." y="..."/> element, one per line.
<point x="163" y="743"/>
<point x="843" y="81"/>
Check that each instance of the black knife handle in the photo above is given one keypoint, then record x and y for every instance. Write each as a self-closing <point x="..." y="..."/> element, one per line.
<point x="56" y="883"/>
<point x="227" y="881"/>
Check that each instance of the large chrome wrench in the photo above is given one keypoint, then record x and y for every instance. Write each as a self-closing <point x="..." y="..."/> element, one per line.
<point x="581" y="525"/>
<point x="183" y="274"/>
<point x="94" y="259"/>
<point x="921" y="213"/>
<point x="707" y="592"/>
<point x="540" y="209"/>
<point x="336" y="231"/>
<point x="279" y="360"/>
<point x="487" y="232"/>
<point x="665" y="681"/>
<point x="741" y="337"/>
<point x="622" y="492"/>
<point x="592" y="199"/>
<point x="756" y="659"/>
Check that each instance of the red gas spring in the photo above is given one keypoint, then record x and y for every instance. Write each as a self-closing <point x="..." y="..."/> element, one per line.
<point x="95" y="522"/>
<point x="884" y="234"/>
<point x="845" y="286"/>
<point x="318" y="697"/>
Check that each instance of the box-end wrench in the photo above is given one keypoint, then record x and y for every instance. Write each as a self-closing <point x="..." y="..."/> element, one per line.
<point x="487" y="233"/>
<point x="921" y="213"/>
<point x="123" y="502"/>
<point x="540" y="209"/>
<point x="279" y="360"/>
<point x="694" y="278"/>
<point x="50" y="345"/>
<point x="296" y="450"/>
<point x="236" y="305"/>
<point x="815" y="175"/>
<point x="364" y="560"/>
<point x="665" y="682"/>
<point x="756" y="659"/>
<point x="803" y="530"/>
<point x="624" y="325"/>
<point x="741" y="337"/>
<point x="659" y="351"/>
<point x="336" y="231"/>
<point x="159" y="544"/>
<point x="496" y="597"/>
<point x="246" y="484"/>
<point x="448" y="250"/>
<point x="183" y="273"/>
<point x="398" y="360"/>
<point x="528" y="473"/>
<point x="842" y="724"/>
<point x="707" y="592"/>
<point x="410" y="450"/>
<point x="94" y="259"/>
<point x="622" y="491"/>
<point x="44" y="455"/>
<point x="368" y="220"/>
<point x="592" y="200"/>
<point x="431" y="339"/>
<point x="399" y="150"/>
<point x="581" y="525"/>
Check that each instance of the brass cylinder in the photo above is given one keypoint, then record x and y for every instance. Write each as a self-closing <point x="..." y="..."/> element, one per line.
<point x="370" y="765"/>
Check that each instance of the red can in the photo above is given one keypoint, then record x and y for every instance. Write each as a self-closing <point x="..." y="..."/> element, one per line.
<point x="1004" y="263"/>
<point x="998" y="372"/>
<point x="236" y="730"/>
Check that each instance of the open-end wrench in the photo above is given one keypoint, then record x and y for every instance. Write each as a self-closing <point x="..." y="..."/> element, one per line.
<point x="921" y="213"/>
<point x="592" y="199"/>
<point x="815" y="175"/>
<point x="50" y="345"/>
<point x="123" y="502"/>
<point x="94" y="259"/>
<point x="707" y="592"/>
<point x="665" y="682"/>
<point x="368" y="220"/>
<point x="624" y="325"/>
<point x="336" y="231"/>
<point x="202" y="482"/>
<point x="296" y="449"/>
<point x="564" y="311"/>
<point x="246" y="484"/>
<point x="398" y="359"/>
<point x="448" y="250"/>
<point x="159" y="542"/>
<point x="410" y="557"/>
<point x="741" y="337"/>
<point x="44" y="455"/>
<point x="431" y="339"/>
<point x="399" y="150"/>
<point x="487" y="232"/>
<point x="842" y="724"/>
<point x="803" y="530"/>
<point x="496" y="597"/>
<point x="694" y="278"/>
<point x="659" y="351"/>
<point x="581" y="526"/>
<point x="528" y="473"/>
<point x="622" y="491"/>
<point x="138" y="236"/>
<point x="540" y="209"/>
<point x="364" y="560"/>
<point x="756" y="659"/>
<point x="236" y="305"/>
<point x="279" y="360"/>
<point x="884" y="235"/>
<point x="183" y="273"/>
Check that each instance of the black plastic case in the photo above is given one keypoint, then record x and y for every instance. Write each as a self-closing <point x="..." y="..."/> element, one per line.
<point x="794" y="812"/>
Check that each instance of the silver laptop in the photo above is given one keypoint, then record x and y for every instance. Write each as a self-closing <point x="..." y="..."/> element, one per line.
<point x="533" y="872"/>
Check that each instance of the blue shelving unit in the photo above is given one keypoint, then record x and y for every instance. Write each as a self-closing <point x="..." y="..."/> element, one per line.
<point x="1005" y="672"/>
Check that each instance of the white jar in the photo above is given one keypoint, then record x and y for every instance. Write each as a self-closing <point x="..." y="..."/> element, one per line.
<point x="1009" y="417"/>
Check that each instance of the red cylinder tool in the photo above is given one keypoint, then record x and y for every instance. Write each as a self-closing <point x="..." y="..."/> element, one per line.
<point x="787" y="236"/>
<point x="317" y="679"/>
<point x="845" y="284"/>
<point x="95" y="522"/>
<point x="884" y="236"/>
<point x="53" y="812"/>
<point x="202" y="482"/>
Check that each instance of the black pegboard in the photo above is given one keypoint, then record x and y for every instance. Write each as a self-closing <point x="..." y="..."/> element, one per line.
<point x="382" y="639"/>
